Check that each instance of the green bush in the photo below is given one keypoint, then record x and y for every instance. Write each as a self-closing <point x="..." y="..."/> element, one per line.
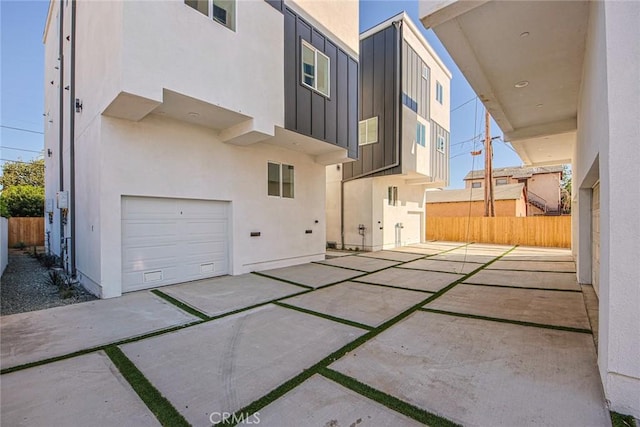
<point x="22" y="201"/>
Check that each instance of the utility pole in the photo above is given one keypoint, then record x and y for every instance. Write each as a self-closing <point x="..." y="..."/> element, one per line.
<point x="489" y="206"/>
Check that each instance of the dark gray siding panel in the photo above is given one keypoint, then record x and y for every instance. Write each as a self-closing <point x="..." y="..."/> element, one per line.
<point x="378" y="97"/>
<point x="277" y="4"/>
<point x="333" y="119"/>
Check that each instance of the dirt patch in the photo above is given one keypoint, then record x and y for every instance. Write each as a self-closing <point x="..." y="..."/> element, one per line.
<point x="24" y="287"/>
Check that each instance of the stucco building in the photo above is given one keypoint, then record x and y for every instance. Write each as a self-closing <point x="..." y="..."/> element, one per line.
<point x="561" y="80"/>
<point x="542" y="185"/>
<point x="189" y="139"/>
<point x="377" y="201"/>
<point x="510" y="200"/>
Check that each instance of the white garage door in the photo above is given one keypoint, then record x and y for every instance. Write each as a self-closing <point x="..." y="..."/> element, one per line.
<point x="595" y="238"/>
<point x="167" y="241"/>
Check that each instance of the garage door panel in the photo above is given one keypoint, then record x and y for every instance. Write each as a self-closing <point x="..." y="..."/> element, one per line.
<point x="179" y="241"/>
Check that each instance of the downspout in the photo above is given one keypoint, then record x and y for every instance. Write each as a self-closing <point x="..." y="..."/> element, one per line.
<point x="61" y="116"/>
<point x="72" y="141"/>
<point x="398" y="82"/>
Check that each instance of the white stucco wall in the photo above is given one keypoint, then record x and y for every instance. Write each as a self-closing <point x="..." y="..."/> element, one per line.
<point x="438" y="112"/>
<point x="170" y="45"/>
<point x="404" y="223"/>
<point x="162" y="157"/>
<point x="366" y="202"/>
<point x="333" y="203"/>
<point x="607" y="149"/>
<point x="358" y="204"/>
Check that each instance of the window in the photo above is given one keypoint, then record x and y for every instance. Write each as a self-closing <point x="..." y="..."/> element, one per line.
<point x="425" y="72"/>
<point x="440" y="143"/>
<point x="368" y="131"/>
<point x="439" y="92"/>
<point x="476" y="185"/>
<point x="315" y="69"/>
<point x="421" y="134"/>
<point x="502" y="181"/>
<point x="221" y="11"/>
<point x="280" y="180"/>
<point x="392" y="196"/>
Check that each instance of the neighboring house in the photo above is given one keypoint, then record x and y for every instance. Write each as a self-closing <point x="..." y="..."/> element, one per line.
<point x="377" y="201"/>
<point x="570" y="95"/>
<point x="189" y="139"/>
<point x="542" y="185"/>
<point x="510" y="200"/>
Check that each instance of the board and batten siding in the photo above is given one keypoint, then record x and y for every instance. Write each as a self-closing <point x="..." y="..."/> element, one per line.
<point x="439" y="159"/>
<point x="332" y="119"/>
<point x="378" y="97"/>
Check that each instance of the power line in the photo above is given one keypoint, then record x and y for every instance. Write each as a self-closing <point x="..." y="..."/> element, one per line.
<point x="20" y="149"/>
<point x="463" y="104"/>
<point x="15" y="161"/>
<point x="22" y="129"/>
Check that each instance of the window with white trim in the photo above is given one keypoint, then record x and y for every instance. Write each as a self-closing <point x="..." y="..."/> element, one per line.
<point x="476" y="185"/>
<point x="368" y="131"/>
<point x="421" y="134"/>
<point x="439" y="92"/>
<point x="315" y="69"/>
<point x="280" y="180"/>
<point x="221" y="11"/>
<point x="440" y="143"/>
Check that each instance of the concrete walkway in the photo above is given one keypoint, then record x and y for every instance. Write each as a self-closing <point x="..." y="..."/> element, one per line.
<point x="439" y="333"/>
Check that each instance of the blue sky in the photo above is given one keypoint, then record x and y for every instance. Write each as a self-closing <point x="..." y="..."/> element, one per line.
<point x="22" y="68"/>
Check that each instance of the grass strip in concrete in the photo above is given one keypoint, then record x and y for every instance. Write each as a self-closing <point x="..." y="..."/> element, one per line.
<point x="182" y="306"/>
<point x="289" y="385"/>
<point x="342" y="267"/>
<point x="515" y="322"/>
<point x="164" y="411"/>
<point x="258" y="273"/>
<point x="326" y="316"/>
<point x="533" y="288"/>
<point x="395" y="287"/>
<point x="387" y="400"/>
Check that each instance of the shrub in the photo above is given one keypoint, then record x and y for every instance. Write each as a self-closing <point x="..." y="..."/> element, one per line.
<point x="19" y="245"/>
<point x="23" y="201"/>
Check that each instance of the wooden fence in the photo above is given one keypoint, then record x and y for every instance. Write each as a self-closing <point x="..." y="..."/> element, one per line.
<point x="552" y="231"/>
<point x="29" y="231"/>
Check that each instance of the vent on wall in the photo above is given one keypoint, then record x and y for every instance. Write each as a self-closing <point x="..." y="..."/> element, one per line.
<point x="152" y="276"/>
<point x="206" y="268"/>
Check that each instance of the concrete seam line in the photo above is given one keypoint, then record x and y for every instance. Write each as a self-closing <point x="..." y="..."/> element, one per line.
<point x="339" y="266"/>
<point x="385" y="399"/>
<point x="531" y="271"/>
<point x="164" y="411"/>
<point x="511" y="321"/>
<point x="325" y="316"/>
<point x="181" y="305"/>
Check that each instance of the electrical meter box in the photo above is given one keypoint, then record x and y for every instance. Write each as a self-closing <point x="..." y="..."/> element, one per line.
<point x="63" y="199"/>
<point x="48" y="205"/>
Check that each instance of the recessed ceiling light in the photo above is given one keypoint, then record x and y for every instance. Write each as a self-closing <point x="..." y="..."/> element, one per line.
<point x="522" y="84"/>
<point x="525" y="34"/>
<point x="193" y="114"/>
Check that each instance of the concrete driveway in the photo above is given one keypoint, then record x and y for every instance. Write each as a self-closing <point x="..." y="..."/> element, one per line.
<point x="438" y="333"/>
